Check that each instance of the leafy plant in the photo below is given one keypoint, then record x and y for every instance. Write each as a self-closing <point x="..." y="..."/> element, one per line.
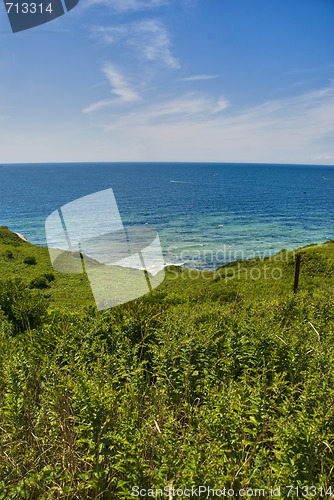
<point x="30" y="260"/>
<point x="39" y="282"/>
<point x="226" y="382"/>
<point x="49" y="277"/>
<point x="22" y="308"/>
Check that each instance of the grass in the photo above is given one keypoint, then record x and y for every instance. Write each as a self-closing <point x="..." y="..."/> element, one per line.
<point x="67" y="291"/>
<point x="222" y="379"/>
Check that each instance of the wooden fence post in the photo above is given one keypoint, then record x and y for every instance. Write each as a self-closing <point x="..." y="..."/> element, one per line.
<point x="295" y="288"/>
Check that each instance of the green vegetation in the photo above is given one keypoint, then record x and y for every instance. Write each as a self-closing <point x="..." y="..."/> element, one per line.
<point x="49" y="277"/>
<point x="30" y="260"/>
<point x="39" y="282"/>
<point x="42" y="281"/>
<point x="217" y="379"/>
<point x="9" y="254"/>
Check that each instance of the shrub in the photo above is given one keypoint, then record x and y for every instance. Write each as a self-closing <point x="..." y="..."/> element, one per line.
<point x="20" y="306"/>
<point x="49" y="277"/>
<point x="7" y="237"/>
<point x="8" y="254"/>
<point x="39" y="282"/>
<point x="30" y="260"/>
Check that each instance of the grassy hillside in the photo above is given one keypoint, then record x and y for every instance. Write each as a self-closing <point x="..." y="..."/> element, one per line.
<point x="221" y="379"/>
<point x="67" y="290"/>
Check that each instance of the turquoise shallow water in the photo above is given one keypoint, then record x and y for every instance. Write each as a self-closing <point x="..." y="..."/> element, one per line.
<point x="205" y="214"/>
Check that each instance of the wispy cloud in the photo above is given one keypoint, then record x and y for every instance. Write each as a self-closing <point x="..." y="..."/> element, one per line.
<point x="222" y="104"/>
<point x="149" y="38"/>
<point x="199" y="77"/>
<point x="188" y="107"/>
<point x="299" y="129"/>
<point x="154" y="41"/>
<point x="119" y="87"/>
<point x="98" y="105"/>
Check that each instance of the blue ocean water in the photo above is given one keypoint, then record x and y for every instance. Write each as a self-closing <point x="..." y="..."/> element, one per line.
<point x="205" y="214"/>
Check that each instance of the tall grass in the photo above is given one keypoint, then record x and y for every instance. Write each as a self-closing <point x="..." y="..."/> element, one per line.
<point x="199" y="383"/>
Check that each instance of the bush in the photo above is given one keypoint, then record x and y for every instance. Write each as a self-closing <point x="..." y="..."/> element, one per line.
<point x="20" y="306"/>
<point x="7" y="237"/>
<point x="39" y="282"/>
<point x="8" y="254"/>
<point x="49" y="277"/>
<point x="31" y="260"/>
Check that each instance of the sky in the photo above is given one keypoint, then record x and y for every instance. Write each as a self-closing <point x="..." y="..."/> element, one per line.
<point x="171" y="80"/>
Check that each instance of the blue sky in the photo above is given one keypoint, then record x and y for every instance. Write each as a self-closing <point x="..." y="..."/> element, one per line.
<point x="171" y="80"/>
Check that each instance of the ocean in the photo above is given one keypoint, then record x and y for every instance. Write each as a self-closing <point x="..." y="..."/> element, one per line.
<point x="205" y="214"/>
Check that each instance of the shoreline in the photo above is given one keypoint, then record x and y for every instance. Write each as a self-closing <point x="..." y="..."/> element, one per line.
<point x="183" y="265"/>
<point x="23" y="237"/>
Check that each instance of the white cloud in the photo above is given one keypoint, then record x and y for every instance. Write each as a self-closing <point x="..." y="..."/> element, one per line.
<point x="222" y="104"/>
<point x="119" y="87"/>
<point x="109" y="34"/>
<point x="154" y="41"/>
<point x="187" y="107"/>
<point x="198" y="78"/>
<point x="149" y="38"/>
<point x="98" y="105"/>
<point x="295" y="130"/>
